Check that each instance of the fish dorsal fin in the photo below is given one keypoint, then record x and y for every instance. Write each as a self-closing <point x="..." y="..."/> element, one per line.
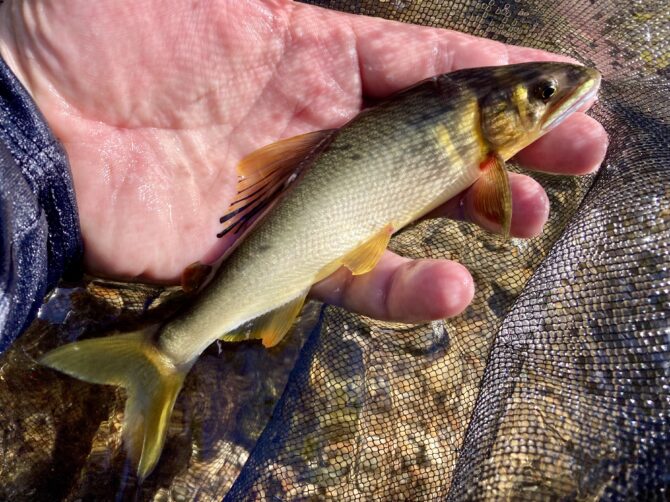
<point x="270" y="327"/>
<point x="365" y="257"/>
<point x="265" y="174"/>
<point x="492" y="194"/>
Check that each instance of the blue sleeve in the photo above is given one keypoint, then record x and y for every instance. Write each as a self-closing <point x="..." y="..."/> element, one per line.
<point x="40" y="239"/>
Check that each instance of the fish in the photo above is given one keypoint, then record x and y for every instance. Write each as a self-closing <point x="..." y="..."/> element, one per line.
<point x="330" y="199"/>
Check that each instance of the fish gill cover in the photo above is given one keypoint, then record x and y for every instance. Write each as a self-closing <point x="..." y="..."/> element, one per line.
<point x="554" y="384"/>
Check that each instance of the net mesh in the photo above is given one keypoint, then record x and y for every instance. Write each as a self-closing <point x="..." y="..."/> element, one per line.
<point x="554" y="384"/>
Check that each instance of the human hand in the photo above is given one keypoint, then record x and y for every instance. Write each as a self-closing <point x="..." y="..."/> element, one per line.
<point x="156" y="101"/>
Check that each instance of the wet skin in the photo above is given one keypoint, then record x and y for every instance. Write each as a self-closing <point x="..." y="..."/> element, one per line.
<point x="156" y="101"/>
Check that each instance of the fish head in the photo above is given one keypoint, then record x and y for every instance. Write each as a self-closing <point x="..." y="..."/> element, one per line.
<point x="522" y="102"/>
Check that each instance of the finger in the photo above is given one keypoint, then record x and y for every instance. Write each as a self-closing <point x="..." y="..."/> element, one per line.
<point x="577" y="146"/>
<point x="401" y="289"/>
<point x="530" y="208"/>
<point x="394" y="55"/>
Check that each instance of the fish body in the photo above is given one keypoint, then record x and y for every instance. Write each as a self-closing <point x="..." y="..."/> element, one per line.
<point x="387" y="167"/>
<point x="348" y="195"/>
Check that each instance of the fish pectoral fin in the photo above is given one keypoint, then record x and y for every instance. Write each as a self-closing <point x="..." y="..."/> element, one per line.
<point x="270" y="327"/>
<point x="492" y="193"/>
<point x="265" y="174"/>
<point x="131" y="361"/>
<point x="365" y="257"/>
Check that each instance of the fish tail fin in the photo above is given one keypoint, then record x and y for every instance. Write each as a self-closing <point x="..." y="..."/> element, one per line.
<point x="152" y="383"/>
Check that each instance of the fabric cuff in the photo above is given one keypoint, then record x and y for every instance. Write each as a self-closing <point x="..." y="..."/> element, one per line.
<point x="40" y="239"/>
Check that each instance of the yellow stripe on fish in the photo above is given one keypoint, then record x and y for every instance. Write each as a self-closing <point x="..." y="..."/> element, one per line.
<point x="520" y="100"/>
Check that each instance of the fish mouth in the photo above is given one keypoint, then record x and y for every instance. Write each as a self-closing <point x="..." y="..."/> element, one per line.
<point x="582" y="94"/>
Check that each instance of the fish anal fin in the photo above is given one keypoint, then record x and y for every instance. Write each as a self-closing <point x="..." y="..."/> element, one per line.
<point x="265" y="174"/>
<point x="492" y="193"/>
<point x="365" y="257"/>
<point x="235" y="336"/>
<point x="152" y="383"/>
<point x="270" y="327"/>
<point x="279" y="322"/>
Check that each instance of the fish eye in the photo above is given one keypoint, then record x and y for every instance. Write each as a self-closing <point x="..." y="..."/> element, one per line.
<point x="546" y="90"/>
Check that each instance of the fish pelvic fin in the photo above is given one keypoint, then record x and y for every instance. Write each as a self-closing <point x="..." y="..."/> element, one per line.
<point x="492" y="193"/>
<point x="151" y="381"/>
<point x="270" y="327"/>
<point x="365" y="257"/>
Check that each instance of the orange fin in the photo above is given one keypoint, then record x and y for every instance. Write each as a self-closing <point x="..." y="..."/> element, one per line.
<point x="194" y="276"/>
<point x="265" y="174"/>
<point x="492" y="194"/>
<point x="270" y="327"/>
<point x="365" y="257"/>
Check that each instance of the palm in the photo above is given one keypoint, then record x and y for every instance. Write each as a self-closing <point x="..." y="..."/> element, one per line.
<point x="155" y="121"/>
<point x="156" y="101"/>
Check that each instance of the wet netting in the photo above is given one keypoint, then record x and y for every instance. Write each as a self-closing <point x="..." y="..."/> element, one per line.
<point x="553" y="385"/>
